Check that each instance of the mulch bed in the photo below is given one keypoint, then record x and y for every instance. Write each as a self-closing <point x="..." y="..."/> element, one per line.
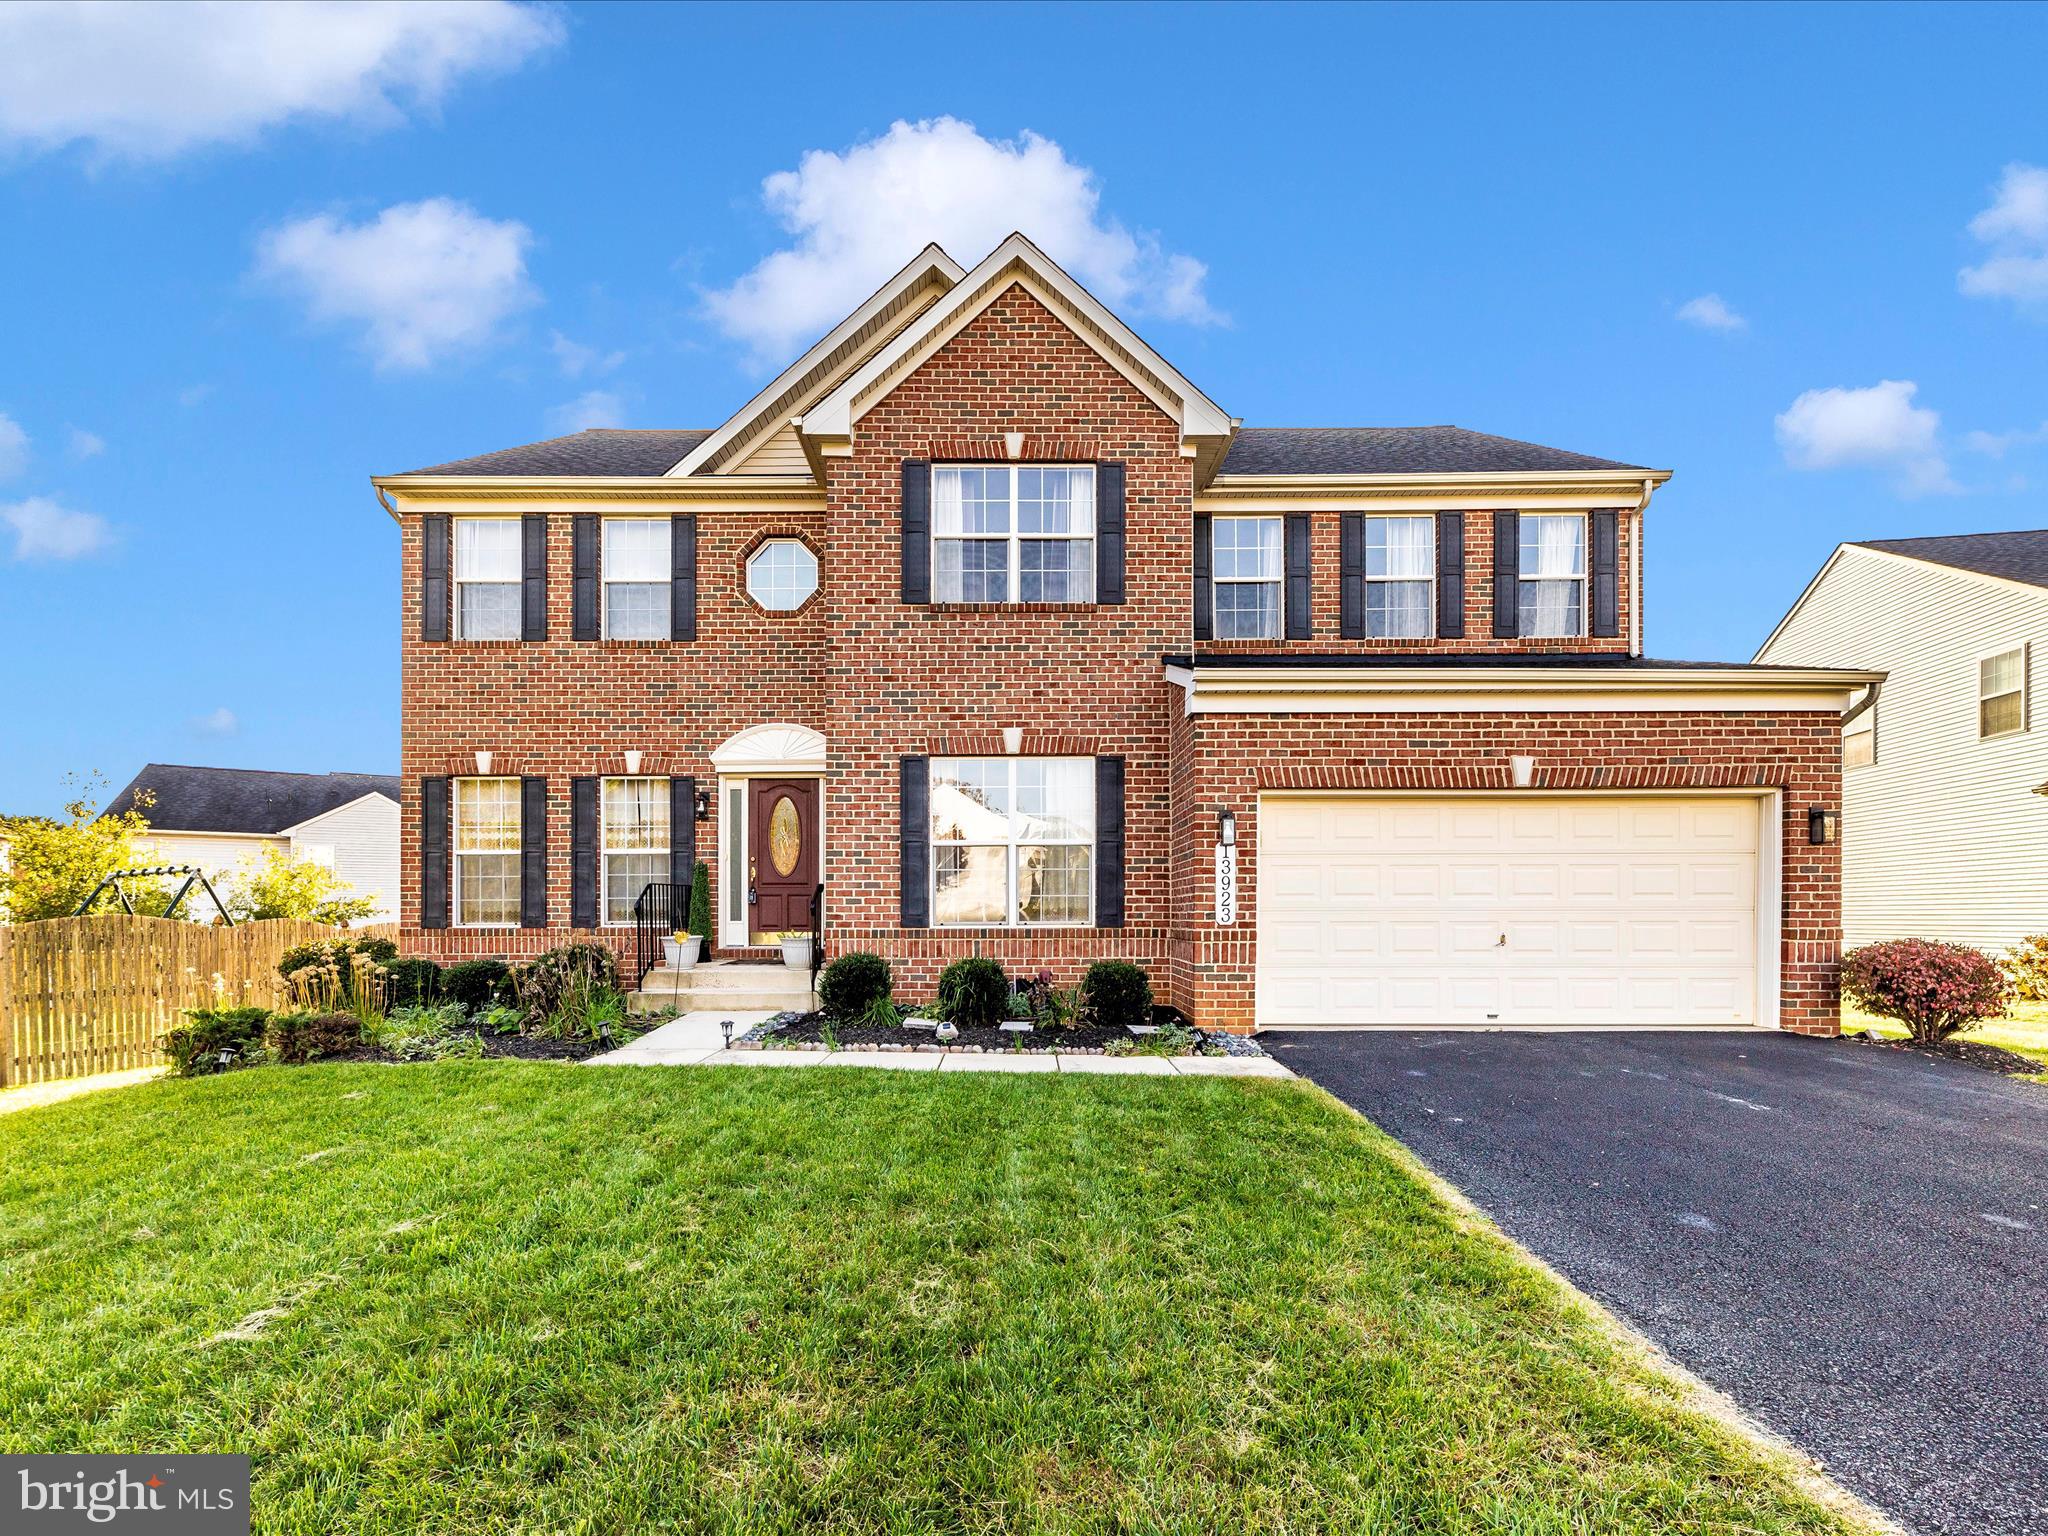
<point x="496" y="1047"/>
<point x="1972" y="1053"/>
<point x="797" y="1030"/>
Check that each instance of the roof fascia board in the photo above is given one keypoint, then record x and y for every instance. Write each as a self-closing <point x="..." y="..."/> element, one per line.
<point x="1632" y="479"/>
<point x="1411" y="493"/>
<point x="1255" y="690"/>
<point x="507" y="492"/>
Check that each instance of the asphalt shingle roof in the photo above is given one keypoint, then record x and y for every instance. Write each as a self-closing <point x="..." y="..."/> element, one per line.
<point x="1393" y="451"/>
<point x="192" y="799"/>
<point x="599" y="451"/>
<point x="2015" y="556"/>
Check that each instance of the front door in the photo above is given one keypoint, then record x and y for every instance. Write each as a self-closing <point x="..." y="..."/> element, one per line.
<point x="782" y="853"/>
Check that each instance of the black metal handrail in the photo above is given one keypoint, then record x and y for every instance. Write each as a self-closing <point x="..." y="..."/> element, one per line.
<point x="817" y="933"/>
<point x="653" y="913"/>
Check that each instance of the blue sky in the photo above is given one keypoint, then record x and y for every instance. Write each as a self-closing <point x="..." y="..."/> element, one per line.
<point x="229" y="294"/>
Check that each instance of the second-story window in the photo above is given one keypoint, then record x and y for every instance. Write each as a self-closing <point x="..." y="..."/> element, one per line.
<point x="637" y="578"/>
<point x="1245" y="553"/>
<point x="1400" y="577"/>
<point x="1551" y="597"/>
<point x="1013" y="533"/>
<point x="2002" y="693"/>
<point x="487" y="578"/>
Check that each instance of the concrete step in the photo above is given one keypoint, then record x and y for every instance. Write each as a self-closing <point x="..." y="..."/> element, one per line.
<point x="723" y="987"/>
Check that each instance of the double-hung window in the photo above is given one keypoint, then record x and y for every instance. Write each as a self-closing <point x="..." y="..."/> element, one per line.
<point x="487" y="575"/>
<point x="1551" y="596"/>
<point x="635" y="843"/>
<point x="1245" y="562"/>
<point x="487" y="853"/>
<point x="1013" y="840"/>
<point x="1400" y="577"/>
<point x="1013" y="533"/>
<point x="2002" y="693"/>
<point x="637" y="578"/>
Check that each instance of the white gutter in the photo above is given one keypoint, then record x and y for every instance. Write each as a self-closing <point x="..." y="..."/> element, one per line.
<point x="1635" y="577"/>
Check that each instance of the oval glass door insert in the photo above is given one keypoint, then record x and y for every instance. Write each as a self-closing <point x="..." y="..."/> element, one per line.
<point x="785" y="836"/>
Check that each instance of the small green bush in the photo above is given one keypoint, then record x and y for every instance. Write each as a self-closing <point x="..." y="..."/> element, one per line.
<point x="413" y="979"/>
<point x="853" y="981"/>
<point x="195" y="1047"/>
<point x="427" y="1033"/>
<point x="543" y="983"/>
<point x="700" y="903"/>
<point x="1116" y="994"/>
<point x="974" y="993"/>
<point x="476" y="984"/>
<point x="297" y="1038"/>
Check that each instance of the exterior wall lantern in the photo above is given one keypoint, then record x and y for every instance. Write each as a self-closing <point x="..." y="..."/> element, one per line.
<point x="1823" y="826"/>
<point x="1226" y="829"/>
<point x="703" y="805"/>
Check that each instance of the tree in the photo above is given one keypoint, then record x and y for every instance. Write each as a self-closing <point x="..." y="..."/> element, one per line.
<point x="53" y="865"/>
<point x="274" y="884"/>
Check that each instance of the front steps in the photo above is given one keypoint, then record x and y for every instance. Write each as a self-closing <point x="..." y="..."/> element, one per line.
<point x="723" y="986"/>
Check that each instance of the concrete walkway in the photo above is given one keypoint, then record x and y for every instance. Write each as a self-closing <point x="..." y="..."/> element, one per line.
<point x="696" y="1040"/>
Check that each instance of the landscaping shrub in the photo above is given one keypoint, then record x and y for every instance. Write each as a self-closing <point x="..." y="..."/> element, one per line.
<point x="413" y="980"/>
<point x="476" y="984"/>
<point x="324" y="972"/>
<point x="2026" y="964"/>
<point x="430" y="1033"/>
<point x="1046" y="1006"/>
<point x="1932" y="988"/>
<point x="585" y="1010"/>
<point x="1116" y="993"/>
<point x="974" y="992"/>
<point x="195" y="1047"/>
<point x="297" y="1038"/>
<point x="852" y="982"/>
<point x="543" y="982"/>
<point x="700" y="904"/>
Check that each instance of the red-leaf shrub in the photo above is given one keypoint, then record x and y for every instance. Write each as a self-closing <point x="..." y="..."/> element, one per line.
<point x="1934" y="989"/>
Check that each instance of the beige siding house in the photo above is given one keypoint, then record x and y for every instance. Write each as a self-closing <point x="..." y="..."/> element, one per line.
<point x="1944" y="821"/>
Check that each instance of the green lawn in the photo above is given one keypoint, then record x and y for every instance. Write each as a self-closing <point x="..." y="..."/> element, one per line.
<point x="508" y="1297"/>
<point x="2024" y="1029"/>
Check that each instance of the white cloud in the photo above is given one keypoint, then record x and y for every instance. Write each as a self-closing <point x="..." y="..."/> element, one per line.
<point x="143" y="81"/>
<point x="858" y="216"/>
<point x="2015" y="227"/>
<point x="423" y="279"/>
<point x="13" y="447"/>
<point x="194" y="395"/>
<point x="1711" y="312"/>
<point x="575" y="359"/>
<point x="1879" y="427"/>
<point x="85" y="445"/>
<point x="1997" y="444"/>
<point x="594" y="408"/>
<point x="217" y="722"/>
<point x="43" y="530"/>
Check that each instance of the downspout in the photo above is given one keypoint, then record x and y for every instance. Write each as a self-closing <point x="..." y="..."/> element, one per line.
<point x="388" y="507"/>
<point x="1635" y="571"/>
<point x="1865" y="704"/>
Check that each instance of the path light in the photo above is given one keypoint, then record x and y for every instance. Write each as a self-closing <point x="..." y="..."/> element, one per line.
<point x="725" y="1028"/>
<point x="1823" y="826"/>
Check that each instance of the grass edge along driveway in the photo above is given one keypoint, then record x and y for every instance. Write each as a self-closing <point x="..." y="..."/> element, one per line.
<point x="511" y="1297"/>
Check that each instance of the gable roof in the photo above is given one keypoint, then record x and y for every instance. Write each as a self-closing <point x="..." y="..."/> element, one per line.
<point x="2021" y="556"/>
<point x="1395" y="451"/>
<point x="248" y="800"/>
<point x="598" y="451"/>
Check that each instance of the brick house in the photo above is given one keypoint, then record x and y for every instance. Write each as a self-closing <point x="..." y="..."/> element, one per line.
<point x="985" y="620"/>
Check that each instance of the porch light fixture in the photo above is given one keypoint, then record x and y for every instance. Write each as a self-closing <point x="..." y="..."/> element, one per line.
<point x="1226" y="829"/>
<point x="703" y="805"/>
<point x="1823" y="826"/>
<point x="632" y="762"/>
<point x="483" y="762"/>
<point x="1522" y="771"/>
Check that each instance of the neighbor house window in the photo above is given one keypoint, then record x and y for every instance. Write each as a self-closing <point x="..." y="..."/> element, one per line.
<point x="782" y="574"/>
<point x="487" y="578"/>
<point x="1859" y="741"/>
<point x="1400" y="577"/>
<point x="1013" y="840"/>
<point x="635" y="843"/>
<point x="1245" y="565"/>
<point x="1552" y="594"/>
<point x="2002" y="693"/>
<point x="637" y="578"/>
<point x="1013" y="533"/>
<point x="487" y="853"/>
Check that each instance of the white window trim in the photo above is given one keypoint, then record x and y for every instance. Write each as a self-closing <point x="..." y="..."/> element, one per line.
<point x="604" y="585"/>
<point x="1016" y="540"/>
<point x="1010" y="847"/>
<point x="1216" y="582"/>
<point x="1584" y="578"/>
<point x="456" y="582"/>
<point x="2025" y="651"/>
<point x="456" y="851"/>
<point x="1435" y="557"/>
<point x="605" y="852"/>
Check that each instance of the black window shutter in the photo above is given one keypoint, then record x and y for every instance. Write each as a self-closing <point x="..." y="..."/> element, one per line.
<point x="1507" y="569"/>
<point x="583" y="853"/>
<point x="682" y="848"/>
<point x="434" y="851"/>
<point x="917" y="531"/>
<point x="583" y="576"/>
<point x="682" y="554"/>
<point x="434" y="593"/>
<point x="1205" y="590"/>
<point x="1109" y="842"/>
<point x="1606" y="616"/>
<point x="533" y="577"/>
<point x="1351" y="576"/>
<point x="914" y="852"/>
<point x="1450" y="575"/>
<point x="533" y="853"/>
<point x="1300" y="591"/>
<point x="1109" y="533"/>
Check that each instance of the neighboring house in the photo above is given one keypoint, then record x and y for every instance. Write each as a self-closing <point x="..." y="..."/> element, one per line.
<point x="217" y="818"/>
<point x="1944" y="828"/>
<point x="987" y="620"/>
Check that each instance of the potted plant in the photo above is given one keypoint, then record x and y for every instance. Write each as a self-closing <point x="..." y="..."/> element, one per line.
<point x="699" y="925"/>
<point x="679" y="951"/>
<point x="796" y="949"/>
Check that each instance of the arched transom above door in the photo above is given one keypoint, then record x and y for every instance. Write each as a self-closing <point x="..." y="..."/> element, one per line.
<point x="771" y="749"/>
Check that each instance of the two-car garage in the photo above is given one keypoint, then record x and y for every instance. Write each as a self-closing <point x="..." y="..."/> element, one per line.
<point x="1527" y="909"/>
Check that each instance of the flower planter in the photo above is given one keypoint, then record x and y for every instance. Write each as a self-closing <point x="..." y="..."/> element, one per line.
<point x="796" y="953"/>
<point x="681" y="955"/>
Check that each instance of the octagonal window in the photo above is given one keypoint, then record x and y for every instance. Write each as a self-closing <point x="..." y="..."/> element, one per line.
<point x="781" y="574"/>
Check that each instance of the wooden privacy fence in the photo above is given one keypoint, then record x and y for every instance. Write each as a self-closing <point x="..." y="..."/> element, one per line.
<point x="80" y="995"/>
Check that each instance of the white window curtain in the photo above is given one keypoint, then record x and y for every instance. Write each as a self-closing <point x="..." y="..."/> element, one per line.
<point x="487" y="578"/>
<point x="1552" y="595"/>
<point x="1013" y="841"/>
<point x="1013" y="533"/>
<point x="637" y="578"/>
<point x="487" y="841"/>
<point x="1400" y="577"/>
<point x="635" y="841"/>
<point x="1245" y="573"/>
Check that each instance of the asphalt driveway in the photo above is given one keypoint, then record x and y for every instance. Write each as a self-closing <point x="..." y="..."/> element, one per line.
<point x="1851" y="1242"/>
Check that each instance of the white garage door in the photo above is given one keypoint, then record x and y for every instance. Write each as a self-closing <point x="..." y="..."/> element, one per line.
<point x="1507" y="911"/>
